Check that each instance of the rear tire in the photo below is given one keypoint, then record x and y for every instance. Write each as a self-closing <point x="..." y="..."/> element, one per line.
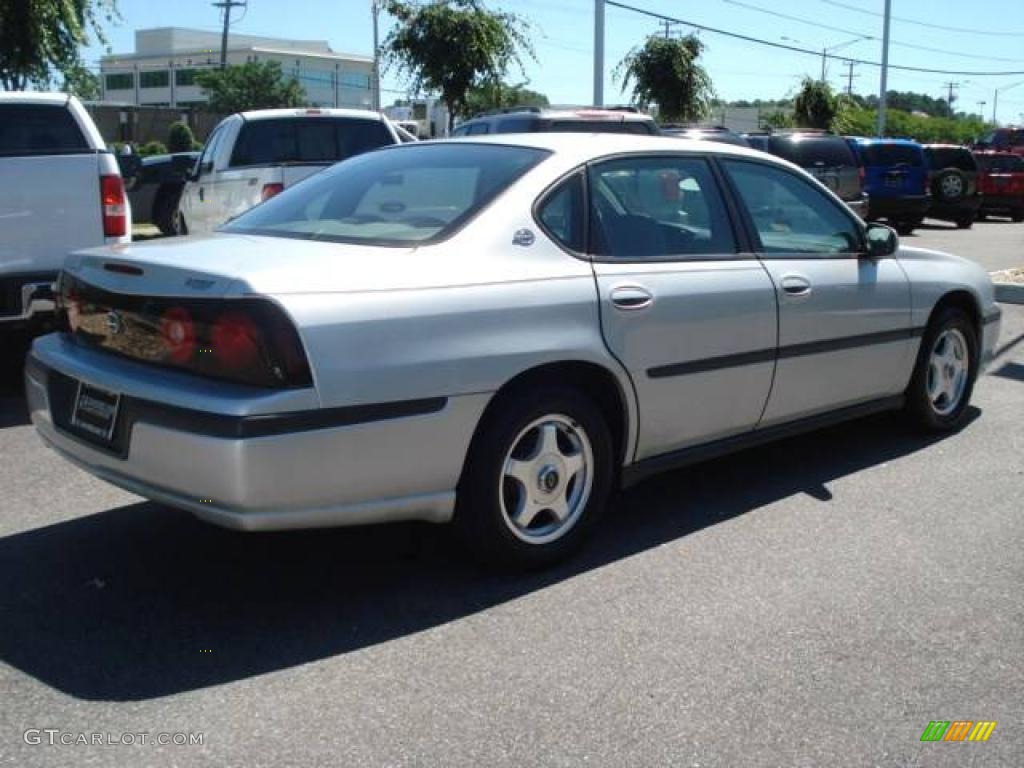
<point x="904" y="227"/>
<point x="965" y="222"/>
<point x="1017" y="216"/>
<point x="943" y="380"/>
<point x="537" y="478"/>
<point x="166" y="215"/>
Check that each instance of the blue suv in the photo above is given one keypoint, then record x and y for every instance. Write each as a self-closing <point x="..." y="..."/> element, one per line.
<point x="895" y="179"/>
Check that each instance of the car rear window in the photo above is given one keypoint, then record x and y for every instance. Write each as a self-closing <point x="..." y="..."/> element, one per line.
<point x="307" y="140"/>
<point x="599" y="126"/>
<point x="413" y="194"/>
<point x="1001" y="163"/>
<point x="892" y="154"/>
<point x="823" y="152"/>
<point x="39" y="129"/>
<point x="950" y="157"/>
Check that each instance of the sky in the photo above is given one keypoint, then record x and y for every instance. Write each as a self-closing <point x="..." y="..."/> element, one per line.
<point x="989" y="39"/>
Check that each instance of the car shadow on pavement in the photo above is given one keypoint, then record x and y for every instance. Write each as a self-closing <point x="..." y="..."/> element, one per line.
<point x="13" y="411"/>
<point x="142" y="601"/>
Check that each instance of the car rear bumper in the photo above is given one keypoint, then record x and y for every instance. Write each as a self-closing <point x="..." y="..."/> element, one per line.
<point x="954" y="211"/>
<point x="26" y="297"/>
<point x="1002" y="203"/>
<point x="375" y="468"/>
<point x="910" y="206"/>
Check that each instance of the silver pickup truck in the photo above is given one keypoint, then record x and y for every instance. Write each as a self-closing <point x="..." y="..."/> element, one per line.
<point x="60" y="191"/>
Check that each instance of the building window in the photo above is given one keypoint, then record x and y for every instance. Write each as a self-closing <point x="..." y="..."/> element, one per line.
<point x="121" y="82"/>
<point x="352" y="80"/>
<point x="185" y="76"/>
<point x="159" y="79"/>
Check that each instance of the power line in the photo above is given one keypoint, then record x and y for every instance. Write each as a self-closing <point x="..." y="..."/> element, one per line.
<point x="905" y="20"/>
<point x="806" y="51"/>
<point x="865" y="36"/>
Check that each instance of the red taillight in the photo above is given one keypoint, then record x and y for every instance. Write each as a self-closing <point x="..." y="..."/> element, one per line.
<point x="115" y="208"/>
<point x="235" y="340"/>
<point x="178" y="334"/>
<point x="269" y="190"/>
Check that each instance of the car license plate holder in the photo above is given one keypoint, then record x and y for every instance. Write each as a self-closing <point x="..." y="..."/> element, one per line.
<point x="95" y="412"/>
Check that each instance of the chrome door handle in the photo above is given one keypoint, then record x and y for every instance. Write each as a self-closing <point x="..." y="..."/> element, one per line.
<point x="796" y="285"/>
<point x="630" y="297"/>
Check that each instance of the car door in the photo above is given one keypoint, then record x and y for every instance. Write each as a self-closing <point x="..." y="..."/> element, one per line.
<point x="689" y="315"/>
<point x="844" y="320"/>
<point x="199" y="202"/>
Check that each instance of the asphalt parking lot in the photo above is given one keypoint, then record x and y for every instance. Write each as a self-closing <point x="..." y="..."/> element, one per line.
<point x="812" y="603"/>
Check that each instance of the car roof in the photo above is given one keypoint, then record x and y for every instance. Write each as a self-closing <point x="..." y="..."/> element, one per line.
<point x="270" y="114"/>
<point x="584" y="146"/>
<point x="870" y="140"/>
<point x="34" y="97"/>
<point x="568" y="113"/>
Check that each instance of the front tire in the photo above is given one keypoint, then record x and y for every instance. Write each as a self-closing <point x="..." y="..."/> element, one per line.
<point x="537" y="478"/>
<point x="947" y="365"/>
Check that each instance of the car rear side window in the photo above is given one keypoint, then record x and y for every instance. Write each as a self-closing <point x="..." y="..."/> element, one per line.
<point x="1001" y="163"/>
<point x="892" y="154"/>
<point x="413" y="194"/>
<point x="562" y="213"/>
<point x="790" y="215"/>
<point x="307" y="140"/>
<point x="657" y="208"/>
<point x="39" y="129"/>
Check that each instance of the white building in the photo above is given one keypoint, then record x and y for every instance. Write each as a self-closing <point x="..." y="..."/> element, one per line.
<point x="161" y="71"/>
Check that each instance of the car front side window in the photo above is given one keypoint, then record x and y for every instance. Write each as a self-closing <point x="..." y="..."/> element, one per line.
<point x="789" y="214"/>
<point x="661" y="208"/>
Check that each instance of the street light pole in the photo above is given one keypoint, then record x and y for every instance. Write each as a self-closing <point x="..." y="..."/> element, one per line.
<point x="598" y="53"/>
<point x="883" y="86"/>
<point x="375" y="8"/>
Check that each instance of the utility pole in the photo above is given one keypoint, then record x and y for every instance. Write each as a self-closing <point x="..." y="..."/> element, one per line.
<point x="226" y="6"/>
<point x="375" y="7"/>
<point x="952" y="86"/>
<point x="884" y="85"/>
<point x="598" y="53"/>
<point x="849" y="77"/>
<point x="824" y="56"/>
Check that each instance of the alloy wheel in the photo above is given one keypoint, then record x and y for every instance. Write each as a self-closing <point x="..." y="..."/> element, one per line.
<point x="948" y="367"/>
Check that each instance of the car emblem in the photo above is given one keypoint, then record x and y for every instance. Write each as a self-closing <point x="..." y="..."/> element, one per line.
<point x="523" y="237"/>
<point x="115" y="323"/>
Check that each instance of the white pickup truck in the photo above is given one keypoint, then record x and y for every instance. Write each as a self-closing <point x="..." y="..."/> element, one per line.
<point x="251" y="156"/>
<point x="60" y="191"/>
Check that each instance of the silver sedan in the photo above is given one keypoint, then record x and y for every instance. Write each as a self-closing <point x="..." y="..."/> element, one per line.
<point x="497" y="333"/>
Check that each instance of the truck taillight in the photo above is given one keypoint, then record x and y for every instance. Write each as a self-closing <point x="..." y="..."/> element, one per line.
<point x="269" y="190"/>
<point x="115" y="207"/>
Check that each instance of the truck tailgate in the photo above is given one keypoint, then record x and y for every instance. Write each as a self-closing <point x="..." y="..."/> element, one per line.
<point x="296" y="173"/>
<point x="49" y="206"/>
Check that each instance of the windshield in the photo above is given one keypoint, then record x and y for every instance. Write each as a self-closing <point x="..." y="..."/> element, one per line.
<point x="412" y="194"/>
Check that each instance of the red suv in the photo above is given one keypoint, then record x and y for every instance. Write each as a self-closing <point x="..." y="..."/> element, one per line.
<point x="1001" y="182"/>
<point x="1003" y="140"/>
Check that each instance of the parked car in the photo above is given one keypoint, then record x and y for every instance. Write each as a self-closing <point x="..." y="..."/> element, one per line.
<point x="953" y="179"/>
<point x="61" y="191"/>
<point x="554" y="119"/>
<point x="895" y="180"/>
<point x="251" y="156"/>
<point x="1001" y="182"/>
<point x="757" y="139"/>
<point x="155" y="187"/>
<point x="497" y="332"/>
<point x="827" y="157"/>
<point x="1003" y="140"/>
<point x="705" y="133"/>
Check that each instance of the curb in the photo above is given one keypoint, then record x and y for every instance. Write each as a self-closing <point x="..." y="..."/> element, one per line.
<point x="1010" y="293"/>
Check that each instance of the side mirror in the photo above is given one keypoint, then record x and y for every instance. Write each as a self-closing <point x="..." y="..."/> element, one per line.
<point x="882" y="241"/>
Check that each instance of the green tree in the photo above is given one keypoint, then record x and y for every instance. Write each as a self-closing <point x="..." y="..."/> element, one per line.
<point x="152" y="148"/>
<point x="41" y="37"/>
<point x="451" y="46"/>
<point x="815" y="105"/>
<point x="666" y="71"/>
<point x="80" y="82"/>
<point x="254" y="85"/>
<point x="179" y="137"/>
<point x="499" y="95"/>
